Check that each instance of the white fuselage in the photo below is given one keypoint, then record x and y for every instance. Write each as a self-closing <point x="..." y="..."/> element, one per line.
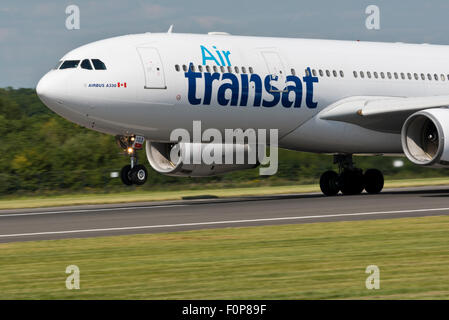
<point x="160" y="96"/>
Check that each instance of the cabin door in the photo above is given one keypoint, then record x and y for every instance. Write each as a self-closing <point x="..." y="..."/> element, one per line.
<point x="152" y="66"/>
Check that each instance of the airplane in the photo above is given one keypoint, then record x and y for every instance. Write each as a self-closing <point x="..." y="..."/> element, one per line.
<point x="334" y="97"/>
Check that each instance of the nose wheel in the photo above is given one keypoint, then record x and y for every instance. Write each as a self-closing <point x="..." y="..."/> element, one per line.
<point x="350" y="180"/>
<point x="133" y="173"/>
<point x="137" y="175"/>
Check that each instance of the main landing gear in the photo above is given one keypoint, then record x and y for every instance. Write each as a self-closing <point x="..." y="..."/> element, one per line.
<point x="133" y="173"/>
<point x="350" y="180"/>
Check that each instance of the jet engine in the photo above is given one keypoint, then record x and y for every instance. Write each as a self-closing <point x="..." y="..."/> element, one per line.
<point x="188" y="159"/>
<point x="425" y="137"/>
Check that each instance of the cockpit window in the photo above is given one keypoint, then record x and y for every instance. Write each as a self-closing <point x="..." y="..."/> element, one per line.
<point x="86" y="64"/>
<point x="98" y="64"/>
<point x="69" y="64"/>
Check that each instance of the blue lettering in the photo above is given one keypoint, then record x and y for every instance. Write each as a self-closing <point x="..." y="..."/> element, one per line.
<point x="309" y="80"/>
<point x="240" y="86"/>
<point x="226" y="54"/>
<point x="192" y="76"/>
<point x="233" y="86"/>
<point x="273" y="91"/>
<point x="257" y="89"/>
<point x="297" y="89"/>
<point x="207" y="55"/>
<point x="219" y="55"/>
<point x="208" y="80"/>
<point x="245" y="89"/>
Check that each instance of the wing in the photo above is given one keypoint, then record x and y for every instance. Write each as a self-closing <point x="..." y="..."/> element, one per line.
<point x="386" y="114"/>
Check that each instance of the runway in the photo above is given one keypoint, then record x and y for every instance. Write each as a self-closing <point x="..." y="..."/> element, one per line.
<point x="153" y="217"/>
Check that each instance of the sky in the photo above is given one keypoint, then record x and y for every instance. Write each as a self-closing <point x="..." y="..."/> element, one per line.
<point x="33" y="34"/>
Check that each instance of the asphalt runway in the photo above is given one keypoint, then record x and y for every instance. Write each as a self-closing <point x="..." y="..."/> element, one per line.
<point x="153" y="217"/>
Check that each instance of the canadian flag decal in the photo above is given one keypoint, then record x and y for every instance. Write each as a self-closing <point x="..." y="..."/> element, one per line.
<point x="119" y="84"/>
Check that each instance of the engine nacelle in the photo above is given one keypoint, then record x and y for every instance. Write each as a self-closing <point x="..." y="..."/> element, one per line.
<point x="425" y="137"/>
<point x="160" y="156"/>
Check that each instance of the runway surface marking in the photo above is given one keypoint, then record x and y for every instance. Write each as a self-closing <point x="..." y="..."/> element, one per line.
<point x="218" y="222"/>
<point x="88" y="210"/>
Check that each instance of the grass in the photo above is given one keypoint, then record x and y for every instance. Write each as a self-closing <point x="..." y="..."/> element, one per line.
<point x="304" y="261"/>
<point x="141" y="196"/>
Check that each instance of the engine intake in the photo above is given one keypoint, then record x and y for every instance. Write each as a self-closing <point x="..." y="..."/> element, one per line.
<point x="424" y="137"/>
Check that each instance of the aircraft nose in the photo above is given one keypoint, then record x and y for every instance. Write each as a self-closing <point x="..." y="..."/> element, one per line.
<point x="42" y="87"/>
<point x="51" y="89"/>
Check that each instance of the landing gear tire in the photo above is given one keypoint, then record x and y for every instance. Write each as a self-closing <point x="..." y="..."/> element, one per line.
<point x="139" y="175"/>
<point x="125" y="175"/>
<point x="351" y="182"/>
<point x="373" y="180"/>
<point x="329" y="183"/>
<point x="133" y="173"/>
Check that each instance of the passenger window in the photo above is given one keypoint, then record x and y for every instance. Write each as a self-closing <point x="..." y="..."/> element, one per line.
<point x="442" y="77"/>
<point x="250" y="69"/>
<point x="389" y="75"/>
<point x="362" y="75"/>
<point x="236" y="69"/>
<point x="402" y="76"/>
<point x="368" y="74"/>
<point x="243" y="70"/>
<point x="208" y="69"/>
<point x="416" y="76"/>
<point x="177" y="67"/>
<point x="423" y="77"/>
<point x="382" y="75"/>
<point x="429" y="76"/>
<point x="229" y="69"/>
<point x="334" y="73"/>
<point x="409" y="76"/>
<point x="184" y="67"/>
<point x="396" y="75"/>
<point x="328" y="73"/>
<point x="200" y="68"/>
<point x="192" y="68"/>
<point x="435" y="76"/>
<point x="293" y="72"/>
<point x="355" y="74"/>
<point x="322" y="73"/>
<point x="314" y="72"/>
<point x="98" y="64"/>
<point x="342" y="74"/>
<point x="215" y="68"/>
<point x="375" y="74"/>
<point x="69" y="64"/>
<point x="223" y="70"/>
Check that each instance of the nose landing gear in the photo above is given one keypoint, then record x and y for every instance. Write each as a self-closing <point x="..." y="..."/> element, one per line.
<point x="350" y="180"/>
<point x="133" y="173"/>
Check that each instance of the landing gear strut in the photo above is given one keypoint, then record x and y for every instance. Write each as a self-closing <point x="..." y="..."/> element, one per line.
<point x="350" y="180"/>
<point x="133" y="173"/>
